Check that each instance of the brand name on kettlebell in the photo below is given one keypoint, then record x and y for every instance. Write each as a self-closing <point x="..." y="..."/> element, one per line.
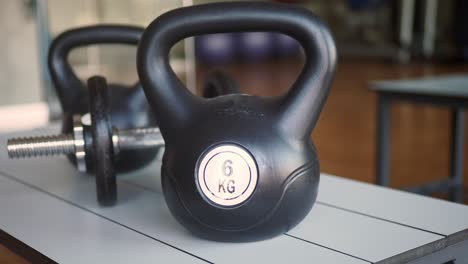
<point x="244" y="111"/>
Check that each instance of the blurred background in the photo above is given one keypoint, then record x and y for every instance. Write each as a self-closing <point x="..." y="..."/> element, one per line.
<point x="376" y="40"/>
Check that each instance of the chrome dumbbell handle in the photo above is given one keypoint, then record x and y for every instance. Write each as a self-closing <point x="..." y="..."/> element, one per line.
<point x="137" y="138"/>
<point x="51" y="145"/>
<point x="74" y="144"/>
<point x="29" y="147"/>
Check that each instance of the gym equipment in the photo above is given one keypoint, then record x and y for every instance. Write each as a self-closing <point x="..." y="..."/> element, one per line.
<point x="98" y="142"/>
<point x="128" y="107"/>
<point x="255" y="46"/>
<point x="92" y="141"/>
<point x="237" y="167"/>
<point x="215" y="48"/>
<point x="286" y="46"/>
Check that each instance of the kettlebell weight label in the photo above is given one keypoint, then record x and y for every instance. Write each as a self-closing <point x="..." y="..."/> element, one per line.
<point x="227" y="175"/>
<point x="230" y="186"/>
<point x="227" y="168"/>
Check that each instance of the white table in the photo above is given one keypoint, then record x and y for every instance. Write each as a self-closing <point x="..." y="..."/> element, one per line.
<point x="48" y="211"/>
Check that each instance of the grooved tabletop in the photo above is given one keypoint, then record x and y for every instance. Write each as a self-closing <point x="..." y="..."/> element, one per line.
<point x="49" y="206"/>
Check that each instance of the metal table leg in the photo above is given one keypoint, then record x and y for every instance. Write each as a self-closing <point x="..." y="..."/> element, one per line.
<point x="383" y="141"/>
<point x="430" y="21"/>
<point x="406" y="29"/>
<point x="456" y="162"/>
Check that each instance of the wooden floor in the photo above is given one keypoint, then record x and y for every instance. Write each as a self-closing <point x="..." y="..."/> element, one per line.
<point x="8" y="257"/>
<point x="345" y="134"/>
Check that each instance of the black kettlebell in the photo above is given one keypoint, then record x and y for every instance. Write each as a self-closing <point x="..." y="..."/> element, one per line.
<point x="128" y="107"/>
<point x="238" y="167"/>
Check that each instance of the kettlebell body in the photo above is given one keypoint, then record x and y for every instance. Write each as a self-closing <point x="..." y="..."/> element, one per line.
<point x="128" y="107"/>
<point x="238" y="167"/>
<point x="239" y="182"/>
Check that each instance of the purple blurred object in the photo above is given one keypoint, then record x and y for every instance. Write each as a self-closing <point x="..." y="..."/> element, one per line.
<point x="255" y="46"/>
<point x="215" y="48"/>
<point x="357" y="5"/>
<point x="286" y="46"/>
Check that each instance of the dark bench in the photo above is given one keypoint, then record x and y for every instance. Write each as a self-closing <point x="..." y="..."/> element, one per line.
<point x="449" y="91"/>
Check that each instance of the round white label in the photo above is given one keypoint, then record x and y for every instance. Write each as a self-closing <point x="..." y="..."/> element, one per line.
<point x="227" y="175"/>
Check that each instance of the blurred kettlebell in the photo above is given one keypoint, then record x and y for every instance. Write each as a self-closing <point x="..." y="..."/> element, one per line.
<point x="128" y="107"/>
<point x="238" y="167"/>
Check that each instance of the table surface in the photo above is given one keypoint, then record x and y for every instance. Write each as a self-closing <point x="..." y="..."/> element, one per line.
<point x="447" y="85"/>
<point x="50" y="207"/>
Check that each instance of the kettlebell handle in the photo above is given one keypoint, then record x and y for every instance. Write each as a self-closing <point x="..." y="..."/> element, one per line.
<point x="67" y="84"/>
<point x="174" y="104"/>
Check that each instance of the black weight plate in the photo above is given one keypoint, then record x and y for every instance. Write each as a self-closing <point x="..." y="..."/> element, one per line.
<point x="103" y="150"/>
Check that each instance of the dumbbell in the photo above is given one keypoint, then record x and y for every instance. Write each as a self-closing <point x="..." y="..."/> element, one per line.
<point x="92" y="140"/>
<point x="128" y="107"/>
<point x="238" y="167"/>
<point x="95" y="140"/>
